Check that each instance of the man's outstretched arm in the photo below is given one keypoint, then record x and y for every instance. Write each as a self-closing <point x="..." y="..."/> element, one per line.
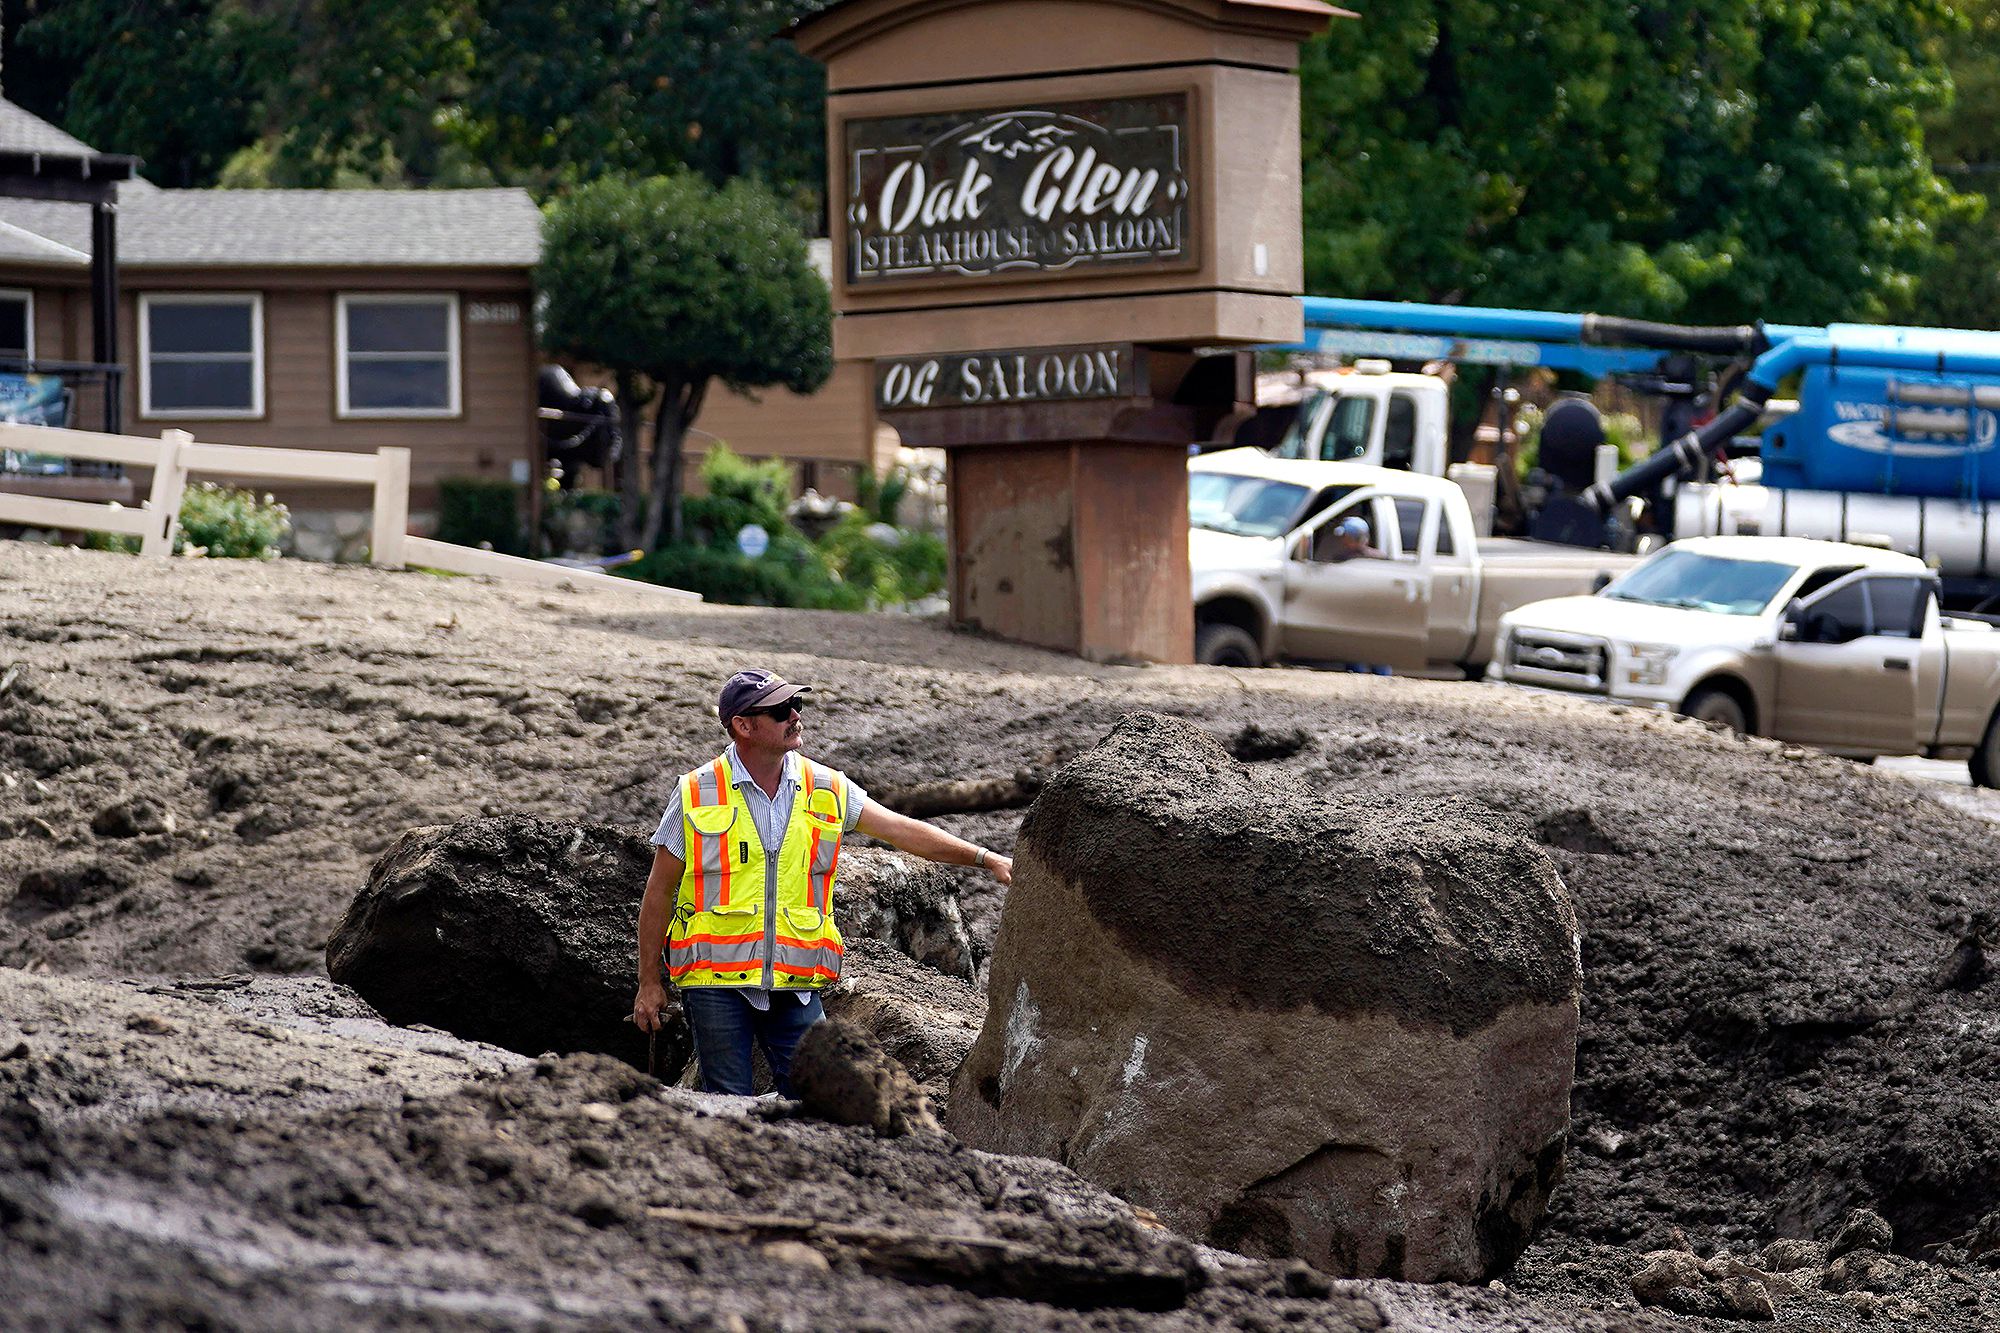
<point x="663" y="886"/>
<point x="930" y="842"/>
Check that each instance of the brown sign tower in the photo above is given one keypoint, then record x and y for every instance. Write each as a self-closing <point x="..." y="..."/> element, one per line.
<point x="1053" y="220"/>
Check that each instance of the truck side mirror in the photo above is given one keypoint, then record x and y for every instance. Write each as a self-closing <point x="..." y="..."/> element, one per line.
<point x="1794" y="618"/>
<point x="1601" y="582"/>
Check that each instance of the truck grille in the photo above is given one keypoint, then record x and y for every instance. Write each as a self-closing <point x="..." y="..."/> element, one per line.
<point x="1557" y="661"/>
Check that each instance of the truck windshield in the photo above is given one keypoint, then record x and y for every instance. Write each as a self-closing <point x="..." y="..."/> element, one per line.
<point x="1296" y="442"/>
<point x="1347" y="434"/>
<point x="1244" y="506"/>
<point x="1698" y="582"/>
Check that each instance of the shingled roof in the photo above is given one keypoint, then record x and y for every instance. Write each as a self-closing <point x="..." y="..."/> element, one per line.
<point x="22" y="131"/>
<point x="158" y="228"/>
<point x="302" y="228"/>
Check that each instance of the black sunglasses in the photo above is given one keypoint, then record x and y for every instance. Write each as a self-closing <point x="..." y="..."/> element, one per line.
<point x="776" y="712"/>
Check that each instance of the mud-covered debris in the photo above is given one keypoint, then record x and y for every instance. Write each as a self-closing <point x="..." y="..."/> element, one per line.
<point x="1176" y="917"/>
<point x="1679" y="1281"/>
<point x="840" y="1074"/>
<point x="1866" y="1270"/>
<point x="1790" y="1255"/>
<point x="923" y="1019"/>
<point x="1255" y="743"/>
<point x="907" y="903"/>
<point x="139" y="817"/>
<point x="1861" y="1229"/>
<point x="74" y="884"/>
<point x="518" y="932"/>
<point x="1577" y="829"/>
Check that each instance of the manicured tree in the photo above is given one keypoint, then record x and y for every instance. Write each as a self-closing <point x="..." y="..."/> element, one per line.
<point x="671" y="284"/>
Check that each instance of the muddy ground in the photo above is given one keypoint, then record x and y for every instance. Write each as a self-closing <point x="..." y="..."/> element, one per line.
<point x="1787" y="1010"/>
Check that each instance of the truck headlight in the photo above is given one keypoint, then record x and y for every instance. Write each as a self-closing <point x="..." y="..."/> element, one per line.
<point x="1648" y="663"/>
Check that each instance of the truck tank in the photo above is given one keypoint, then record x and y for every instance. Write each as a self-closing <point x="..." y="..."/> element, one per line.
<point x="1889" y="432"/>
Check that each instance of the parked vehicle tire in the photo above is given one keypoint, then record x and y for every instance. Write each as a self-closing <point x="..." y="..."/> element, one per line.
<point x="1220" y="644"/>
<point x="1985" y="761"/>
<point x="1712" y="703"/>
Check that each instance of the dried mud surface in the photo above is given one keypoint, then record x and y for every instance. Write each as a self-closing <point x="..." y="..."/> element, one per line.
<point x="1787" y="1010"/>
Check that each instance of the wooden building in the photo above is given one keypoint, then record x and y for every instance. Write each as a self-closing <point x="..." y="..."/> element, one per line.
<point x="334" y="319"/>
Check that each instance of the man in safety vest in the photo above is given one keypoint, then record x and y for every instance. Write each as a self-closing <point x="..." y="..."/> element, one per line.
<point x="741" y="893"/>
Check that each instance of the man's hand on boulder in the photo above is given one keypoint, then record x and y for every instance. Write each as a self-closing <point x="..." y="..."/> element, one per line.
<point x="1000" y="867"/>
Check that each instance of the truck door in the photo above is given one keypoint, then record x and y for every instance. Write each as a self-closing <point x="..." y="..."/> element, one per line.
<point x="1371" y="609"/>
<point x="1847" y="665"/>
<point x="1453" y="585"/>
<point x="1351" y="428"/>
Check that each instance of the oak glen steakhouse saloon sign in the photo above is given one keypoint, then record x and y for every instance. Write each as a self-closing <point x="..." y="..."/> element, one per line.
<point x="1021" y="190"/>
<point x="984" y="379"/>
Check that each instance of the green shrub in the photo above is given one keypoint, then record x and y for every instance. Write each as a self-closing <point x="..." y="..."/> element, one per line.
<point x="219" y="521"/>
<point x="581" y="520"/>
<point x="887" y="573"/>
<point x="739" y="491"/>
<point x="848" y="569"/>
<point x="481" y="511"/>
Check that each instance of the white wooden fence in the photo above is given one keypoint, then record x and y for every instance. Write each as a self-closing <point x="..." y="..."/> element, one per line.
<point x="176" y="454"/>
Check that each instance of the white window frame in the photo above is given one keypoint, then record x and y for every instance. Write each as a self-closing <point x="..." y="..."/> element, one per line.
<point x="147" y="300"/>
<point x="455" y="373"/>
<point x="27" y="296"/>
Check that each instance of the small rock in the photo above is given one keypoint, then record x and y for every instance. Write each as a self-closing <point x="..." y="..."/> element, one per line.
<point x="592" y="1155"/>
<point x="139" y="817"/>
<point x="1865" y="1270"/>
<point x="1863" y="1230"/>
<point x="1788" y="1256"/>
<point x="1664" y="1271"/>
<point x="151" y="1024"/>
<point x="797" y="1254"/>
<point x="601" y="1112"/>
<point x="13" y="1044"/>
<point x="1864" y="1303"/>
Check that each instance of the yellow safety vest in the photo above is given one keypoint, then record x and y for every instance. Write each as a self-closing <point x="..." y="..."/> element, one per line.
<point x="745" y="919"/>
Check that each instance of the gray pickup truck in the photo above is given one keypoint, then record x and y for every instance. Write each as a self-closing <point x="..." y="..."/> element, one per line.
<point x="1270" y="584"/>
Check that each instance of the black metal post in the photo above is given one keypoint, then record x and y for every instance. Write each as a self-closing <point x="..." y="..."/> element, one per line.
<point x="104" y="306"/>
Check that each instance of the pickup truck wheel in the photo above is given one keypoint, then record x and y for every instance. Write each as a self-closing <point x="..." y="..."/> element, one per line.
<point x="1985" y="761"/>
<point x="1222" y="644"/>
<point x="1711" y="703"/>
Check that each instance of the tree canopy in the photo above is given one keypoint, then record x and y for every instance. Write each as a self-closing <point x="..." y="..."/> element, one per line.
<point x="1700" y="159"/>
<point x="1694" y="159"/>
<point x="670" y="284"/>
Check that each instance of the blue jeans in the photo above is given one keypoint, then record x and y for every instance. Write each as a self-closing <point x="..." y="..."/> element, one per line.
<point x="725" y="1024"/>
<point x="1364" y="669"/>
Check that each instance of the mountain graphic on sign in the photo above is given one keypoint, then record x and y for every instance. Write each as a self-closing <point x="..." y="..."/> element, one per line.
<point x="1013" y="136"/>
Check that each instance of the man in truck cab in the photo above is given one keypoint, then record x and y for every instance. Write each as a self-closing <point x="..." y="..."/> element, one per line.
<point x="1348" y="540"/>
<point x="1339" y="543"/>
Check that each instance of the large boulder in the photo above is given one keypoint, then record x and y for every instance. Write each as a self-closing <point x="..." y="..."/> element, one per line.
<point x="524" y="933"/>
<point x="1295" y="1029"/>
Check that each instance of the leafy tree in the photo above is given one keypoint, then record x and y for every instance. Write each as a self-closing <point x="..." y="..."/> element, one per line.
<point x="1961" y="288"/>
<point x="175" y="82"/>
<point x="671" y="284"/>
<point x="569" y="91"/>
<point x="1702" y="159"/>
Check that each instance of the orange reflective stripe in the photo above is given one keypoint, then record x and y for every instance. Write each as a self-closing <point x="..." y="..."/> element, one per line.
<point x="722" y="797"/>
<point x="687" y="941"/>
<point x="796" y="943"/>
<point x="788" y="970"/>
<point x="691" y="797"/>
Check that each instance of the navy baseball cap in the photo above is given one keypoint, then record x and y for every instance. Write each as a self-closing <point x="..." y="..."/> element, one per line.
<point x="754" y="689"/>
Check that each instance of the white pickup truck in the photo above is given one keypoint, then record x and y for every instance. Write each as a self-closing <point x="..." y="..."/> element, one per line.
<point x="1271" y="582"/>
<point x="1823" y="643"/>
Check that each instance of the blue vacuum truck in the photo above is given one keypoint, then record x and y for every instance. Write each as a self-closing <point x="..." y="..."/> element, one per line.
<point x="1886" y="436"/>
